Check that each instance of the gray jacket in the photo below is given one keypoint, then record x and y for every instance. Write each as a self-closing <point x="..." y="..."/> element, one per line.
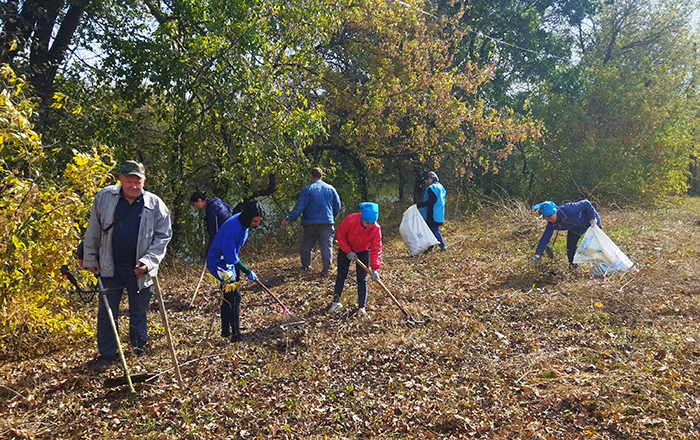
<point x="154" y="234"/>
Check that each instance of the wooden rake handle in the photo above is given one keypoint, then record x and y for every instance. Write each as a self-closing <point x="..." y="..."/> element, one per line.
<point x="272" y="294"/>
<point x="362" y="265"/>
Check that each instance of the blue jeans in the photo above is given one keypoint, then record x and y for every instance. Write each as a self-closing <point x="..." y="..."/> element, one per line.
<point x="343" y="269"/>
<point x="123" y="278"/>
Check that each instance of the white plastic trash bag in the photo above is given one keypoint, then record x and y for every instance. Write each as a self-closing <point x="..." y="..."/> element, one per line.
<point x="415" y="231"/>
<point x="599" y="249"/>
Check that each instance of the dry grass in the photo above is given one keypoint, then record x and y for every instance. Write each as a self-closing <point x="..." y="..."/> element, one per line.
<point x="511" y="350"/>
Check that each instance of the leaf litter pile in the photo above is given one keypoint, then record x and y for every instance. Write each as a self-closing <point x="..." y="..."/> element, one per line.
<point x="511" y="349"/>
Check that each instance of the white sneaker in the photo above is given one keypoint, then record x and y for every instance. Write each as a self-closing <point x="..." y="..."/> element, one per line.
<point x="335" y="307"/>
<point x="363" y="312"/>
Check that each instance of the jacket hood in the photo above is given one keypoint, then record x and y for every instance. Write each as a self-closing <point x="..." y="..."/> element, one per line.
<point x="250" y="210"/>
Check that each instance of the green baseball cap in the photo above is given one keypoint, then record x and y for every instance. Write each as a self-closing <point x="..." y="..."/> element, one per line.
<point x="131" y="167"/>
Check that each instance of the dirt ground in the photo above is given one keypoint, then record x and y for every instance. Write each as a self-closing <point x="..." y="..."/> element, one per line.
<point x="510" y="349"/>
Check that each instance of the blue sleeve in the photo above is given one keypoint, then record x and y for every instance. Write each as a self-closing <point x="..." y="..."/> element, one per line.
<point x="226" y="244"/>
<point x="300" y="206"/>
<point x="432" y="199"/>
<point x="336" y="204"/>
<point x="217" y="212"/>
<point x="544" y="241"/>
<point x="212" y="227"/>
<point x="590" y="212"/>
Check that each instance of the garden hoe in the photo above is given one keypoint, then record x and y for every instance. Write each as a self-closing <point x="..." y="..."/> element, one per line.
<point x="409" y="319"/>
<point x="126" y="379"/>
<point x="127" y="376"/>
<point x="130" y="379"/>
<point x="290" y="319"/>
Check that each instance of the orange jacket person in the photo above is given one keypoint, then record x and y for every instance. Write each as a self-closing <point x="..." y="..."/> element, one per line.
<point x="359" y="236"/>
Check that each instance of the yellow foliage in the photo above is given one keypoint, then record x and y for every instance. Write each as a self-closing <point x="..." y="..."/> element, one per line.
<point x="41" y="219"/>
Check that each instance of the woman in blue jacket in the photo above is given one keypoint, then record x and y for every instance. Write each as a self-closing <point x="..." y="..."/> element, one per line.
<point x="575" y="218"/>
<point x="224" y="264"/>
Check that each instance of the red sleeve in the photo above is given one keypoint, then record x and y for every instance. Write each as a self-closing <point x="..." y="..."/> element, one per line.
<point x="375" y="253"/>
<point x="342" y="236"/>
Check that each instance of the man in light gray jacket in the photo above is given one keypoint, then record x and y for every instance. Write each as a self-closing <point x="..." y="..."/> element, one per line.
<point x="125" y="241"/>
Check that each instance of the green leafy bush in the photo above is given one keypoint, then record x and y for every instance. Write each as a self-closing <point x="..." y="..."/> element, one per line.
<point x="41" y="217"/>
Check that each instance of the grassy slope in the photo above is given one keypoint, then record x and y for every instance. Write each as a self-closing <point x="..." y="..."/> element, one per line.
<point x="512" y="349"/>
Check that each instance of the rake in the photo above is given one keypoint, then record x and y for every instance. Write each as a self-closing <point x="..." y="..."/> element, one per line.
<point x="409" y="319"/>
<point x="290" y="319"/>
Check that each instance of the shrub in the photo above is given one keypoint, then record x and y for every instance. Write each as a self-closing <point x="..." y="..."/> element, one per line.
<point x="41" y="217"/>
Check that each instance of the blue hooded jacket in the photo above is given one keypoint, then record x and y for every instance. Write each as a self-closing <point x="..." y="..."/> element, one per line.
<point x="319" y="202"/>
<point x="575" y="217"/>
<point x="224" y="250"/>
<point x="215" y="214"/>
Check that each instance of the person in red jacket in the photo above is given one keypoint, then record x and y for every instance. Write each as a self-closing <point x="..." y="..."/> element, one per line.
<point x="359" y="236"/>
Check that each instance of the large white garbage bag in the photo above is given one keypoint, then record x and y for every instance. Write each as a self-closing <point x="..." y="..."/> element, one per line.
<point x="597" y="248"/>
<point x="415" y="231"/>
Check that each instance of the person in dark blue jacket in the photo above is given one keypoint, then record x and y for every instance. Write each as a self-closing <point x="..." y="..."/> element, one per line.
<point x="318" y="205"/>
<point x="215" y="214"/>
<point x="432" y="208"/>
<point x="225" y="265"/>
<point x="575" y="218"/>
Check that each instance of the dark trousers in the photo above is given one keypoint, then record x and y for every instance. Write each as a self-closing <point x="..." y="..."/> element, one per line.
<point x="435" y="228"/>
<point x="323" y="234"/>
<point x="572" y="239"/>
<point x="343" y="269"/>
<point x="231" y="313"/>
<point x="123" y="278"/>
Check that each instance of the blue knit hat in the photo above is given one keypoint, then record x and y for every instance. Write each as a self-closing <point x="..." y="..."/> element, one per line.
<point x="370" y="211"/>
<point x="548" y="208"/>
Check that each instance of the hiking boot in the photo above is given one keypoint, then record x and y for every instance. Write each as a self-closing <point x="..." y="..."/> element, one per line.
<point x="237" y="337"/>
<point x="335" y="307"/>
<point x="363" y="312"/>
<point x="306" y="269"/>
<point x="103" y="363"/>
<point x="140" y="351"/>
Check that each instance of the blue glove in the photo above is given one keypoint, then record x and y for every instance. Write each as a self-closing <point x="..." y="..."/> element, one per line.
<point x="252" y="276"/>
<point x="375" y="275"/>
<point x="352" y="255"/>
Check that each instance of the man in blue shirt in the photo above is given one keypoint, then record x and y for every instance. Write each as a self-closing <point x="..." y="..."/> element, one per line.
<point x="575" y="218"/>
<point x="432" y="208"/>
<point x="318" y="205"/>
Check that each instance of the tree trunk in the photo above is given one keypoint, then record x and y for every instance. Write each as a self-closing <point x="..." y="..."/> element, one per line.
<point x="45" y="61"/>
<point x="418" y="173"/>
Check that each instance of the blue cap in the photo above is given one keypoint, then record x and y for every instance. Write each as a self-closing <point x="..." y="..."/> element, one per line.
<point x="548" y="208"/>
<point x="370" y="211"/>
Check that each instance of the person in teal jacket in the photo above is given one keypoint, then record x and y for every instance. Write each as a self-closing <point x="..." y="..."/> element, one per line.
<point x="433" y="206"/>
